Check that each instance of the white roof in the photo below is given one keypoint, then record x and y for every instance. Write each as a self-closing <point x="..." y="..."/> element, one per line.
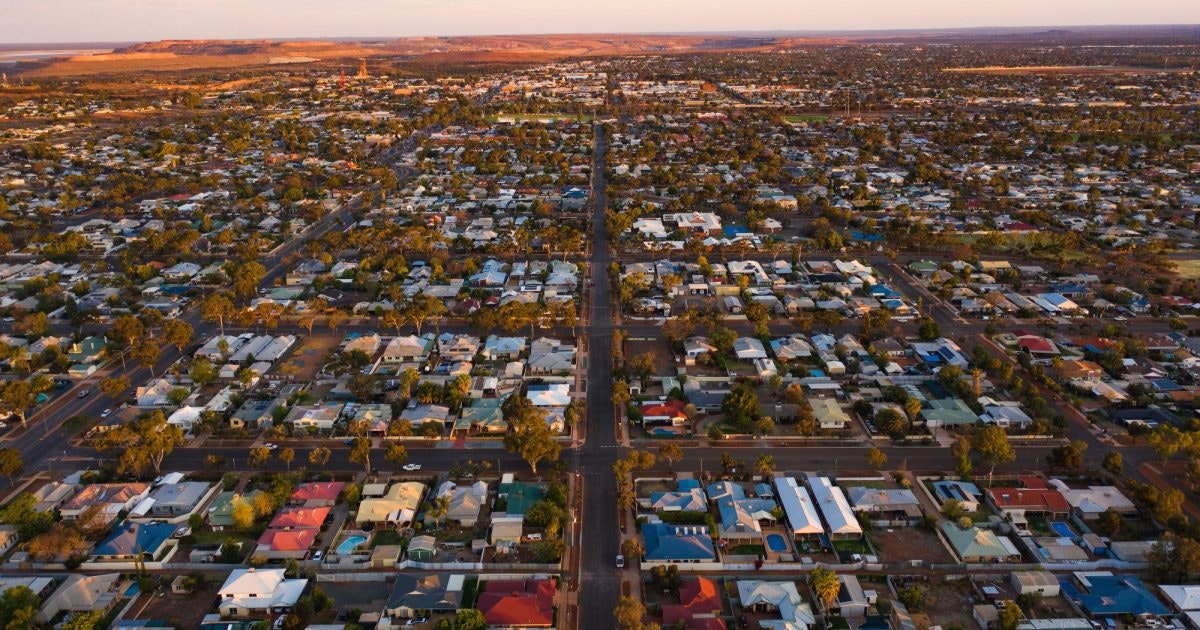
<point x="1183" y="596"/>
<point x="143" y="507"/>
<point x="798" y="507"/>
<point x="834" y="507"/>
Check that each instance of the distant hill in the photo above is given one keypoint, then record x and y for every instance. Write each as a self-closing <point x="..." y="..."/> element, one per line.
<point x="178" y="55"/>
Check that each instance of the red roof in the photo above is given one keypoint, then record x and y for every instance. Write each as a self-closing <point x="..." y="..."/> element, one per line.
<point x="518" y="603"/>
<point x="1037" y="344"/>
<point x="318" y="491"/>
<point x="668" y="409"/>
<point x="289" y="539"/>
<point x="700" y="595"/>
<point x="1029" y="499"/>
<point x="300" y="517"/>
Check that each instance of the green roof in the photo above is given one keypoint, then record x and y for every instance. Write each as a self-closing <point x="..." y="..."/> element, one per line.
<point x="521" y="496"/>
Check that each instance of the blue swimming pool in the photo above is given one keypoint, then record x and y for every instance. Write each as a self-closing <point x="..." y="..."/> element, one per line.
<point x="776" y="543"/>
<point x="347" y="546"/>
<point x="1062" y="529"/>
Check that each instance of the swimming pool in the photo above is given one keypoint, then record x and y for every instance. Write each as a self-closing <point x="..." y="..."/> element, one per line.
<point x="776" y="543"/>
<point x="347" y="546"/>
<point x="1062" y="529"/>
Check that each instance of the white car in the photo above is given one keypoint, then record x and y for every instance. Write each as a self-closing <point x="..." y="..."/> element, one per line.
<point x="271" y="445"/>
<point x="412" y="467"/>
<point x="106" y="413"/>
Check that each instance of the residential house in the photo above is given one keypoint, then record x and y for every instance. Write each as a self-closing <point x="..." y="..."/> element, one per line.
<point x="517" y="603"/>
<point x="975" y="545"/>
<point x="253" y="592"/>
<point x="135" y="542"/>
<point x="396" y="508"/>
<point x="416" y="595"/>
<point x="677" y="543"/>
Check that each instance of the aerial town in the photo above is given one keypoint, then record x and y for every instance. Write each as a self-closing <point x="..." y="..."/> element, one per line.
<point x="870" y="336"/>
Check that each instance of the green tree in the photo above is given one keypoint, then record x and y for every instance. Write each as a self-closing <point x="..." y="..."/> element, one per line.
<point x="203" y="372"/>
<point x="319" y="456"/>
<point x="146" y="353"/>
<point x="12" y="464"/>
<point x="876" y="458"/>
<point x="469" y="619"/>
<point x="927" y="329"/>
<point x="825" y="586"/>
<point x="629" y="613"/>
<point x="178" y="333"/>
<point x="242" y="514"/>
<point x="287" y="456"/>
<point x="216" y="307"/>
<point x="670" y="452"/>
<point x="529" y="436"/>
<point x="115" y="386"/>
<point x="1113" y="463"/>
<point x="961" y="450"/>
<point x="741" y="407"/>
<point x="360" y="452"/>
<point x="258" y="457"/>
<point x="397" y="454"/>
<point x="89" y="620"/>
<point x="18" y="607"/>
<point x="994" y="448"/>
<point x="1010" y="616"/>
<point x="912" y="598"/>
<point x="765" y="465"/>
<point x="143" y="443"/>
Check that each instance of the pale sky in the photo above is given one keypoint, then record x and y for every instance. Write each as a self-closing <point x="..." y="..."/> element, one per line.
<point x="24" y="21"/>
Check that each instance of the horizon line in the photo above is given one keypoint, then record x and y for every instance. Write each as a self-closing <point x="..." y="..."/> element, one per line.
<point x="730" y="33"/>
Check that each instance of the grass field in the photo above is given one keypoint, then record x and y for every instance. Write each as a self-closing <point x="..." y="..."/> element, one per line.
<point x="1189" y="269"/>
<point x="805" y="118"/>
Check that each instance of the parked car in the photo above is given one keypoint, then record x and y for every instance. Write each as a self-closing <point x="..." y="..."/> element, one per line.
<point x="620" y="561"/>
<point x="106" y="413"/>
<point x="412" y="467"/>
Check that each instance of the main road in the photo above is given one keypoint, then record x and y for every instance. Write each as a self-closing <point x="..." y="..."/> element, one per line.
<point x="599" y="581"/>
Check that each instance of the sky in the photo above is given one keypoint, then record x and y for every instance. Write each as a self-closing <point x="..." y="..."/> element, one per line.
<point x="43" y="21"/>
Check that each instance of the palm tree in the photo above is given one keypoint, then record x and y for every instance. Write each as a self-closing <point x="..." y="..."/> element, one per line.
<point x="439" y="509"/>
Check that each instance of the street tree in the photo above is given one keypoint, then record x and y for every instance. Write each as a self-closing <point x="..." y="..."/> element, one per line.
<point x="1113" y="463"/>
<point x="876" y="458"/>
<point x="397" y="454"/>
<point x="18" y="396"/>
<point x="629" y="613"/>
<point x="670" y="452"/>
<point x="993" y="447"/>
<point x="146" y="353"/>
<point x="961" y="450"/>
<point x="141" y="444"/>
<point x="216" y="307"/>
<point x="287" y="456"/>
<point x="319" y="456"/>
<point x="178" y="333"/>
<point x="115" y="386"/>
<point x="259" y="456"/>
<point x="12" y="464"/>
<point x="764" y="465"/>
<point x="360" y="452"/>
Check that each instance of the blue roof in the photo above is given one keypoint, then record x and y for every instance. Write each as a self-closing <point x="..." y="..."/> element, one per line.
<point x="725" y="490"/>
<point x="133" y="538"/>
<point x="1112" y="595"/>
<point x="677" y="542"/>
<point x="685" y="485"/>
<point x="734" y="230"/>
<point x="863" y="236"/>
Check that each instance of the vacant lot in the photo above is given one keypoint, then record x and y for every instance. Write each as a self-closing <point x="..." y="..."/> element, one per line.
<point x="181" y="611"/>
<point x="308" y="357"/>
<point x="908" y="543"/>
